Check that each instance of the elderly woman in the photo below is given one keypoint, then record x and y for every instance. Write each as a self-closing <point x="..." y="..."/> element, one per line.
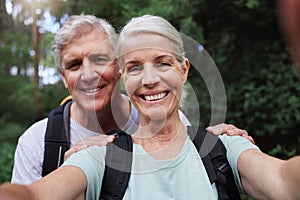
<point x="165" y="165"/>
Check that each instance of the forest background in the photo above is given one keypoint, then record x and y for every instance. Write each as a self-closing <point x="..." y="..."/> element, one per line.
<point x="242" y="37"/>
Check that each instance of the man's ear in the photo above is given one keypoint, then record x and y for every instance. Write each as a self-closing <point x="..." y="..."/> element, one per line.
<point x="62" y="75"/>
<point x="186" y="68"/>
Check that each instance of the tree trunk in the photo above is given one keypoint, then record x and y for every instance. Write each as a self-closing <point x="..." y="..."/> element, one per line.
<point x="36" y="48"/>
<point x="5" y="26"/>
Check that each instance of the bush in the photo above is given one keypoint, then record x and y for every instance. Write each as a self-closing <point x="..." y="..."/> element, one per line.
<point x="6" y="160"/>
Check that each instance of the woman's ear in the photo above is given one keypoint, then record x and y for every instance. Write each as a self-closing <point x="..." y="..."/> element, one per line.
<point x="186" y="68"/>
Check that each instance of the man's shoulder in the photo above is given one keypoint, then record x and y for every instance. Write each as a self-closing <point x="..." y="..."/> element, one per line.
<point x="36" y="132"/>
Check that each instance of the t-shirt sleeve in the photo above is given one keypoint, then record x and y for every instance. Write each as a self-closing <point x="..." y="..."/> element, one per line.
<point x="29" y="154"/>
<point x="92" y="162"/>
<point x="235" y="145"/>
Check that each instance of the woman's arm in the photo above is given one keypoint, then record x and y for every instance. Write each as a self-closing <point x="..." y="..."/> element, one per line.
<point x="67" y="182"/>
<point x="291" y="176"/>
<point x="266" y="177"/>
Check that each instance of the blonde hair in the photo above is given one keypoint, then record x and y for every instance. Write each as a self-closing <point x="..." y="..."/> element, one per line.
<point x="155" y="25"/>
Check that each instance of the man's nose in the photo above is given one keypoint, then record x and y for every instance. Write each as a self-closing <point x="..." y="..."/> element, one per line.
<point x="89" y="72"/>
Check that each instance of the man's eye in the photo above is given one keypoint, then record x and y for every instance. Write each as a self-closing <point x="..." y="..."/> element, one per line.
<point x="100" y="60"/>
<point x="73" y="66"/>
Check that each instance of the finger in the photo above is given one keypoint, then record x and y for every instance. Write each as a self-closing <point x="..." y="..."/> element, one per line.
<point x="74" y="149"/>
<point x="98" y="140"/>
<point x="236" y="131"/>
<point x="248" y="137"/>
<point x="220" y="128"/>
<point x="110" y="138"/>
<point x="217" y="129"/>
<point x="92" y="139"/>
<point x="251" y="139"/>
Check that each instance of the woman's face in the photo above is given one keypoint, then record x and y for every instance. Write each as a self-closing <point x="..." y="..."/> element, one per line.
<point x="89" y="71"/>
<point x="153" y="77"/>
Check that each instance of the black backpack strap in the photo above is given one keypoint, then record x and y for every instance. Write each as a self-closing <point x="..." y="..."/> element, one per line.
<point x="213" y="155"/>
<point x="57" y="137"/>
<point x="118" y="162"/>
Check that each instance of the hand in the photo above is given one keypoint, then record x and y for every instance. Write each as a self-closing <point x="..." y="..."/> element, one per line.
<point x="230" y="130"/>
<point x="100" y="140"/>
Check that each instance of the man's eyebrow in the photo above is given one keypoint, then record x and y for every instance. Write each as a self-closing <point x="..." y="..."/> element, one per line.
<point x="95" y="55"/>
<point x="72" y="61"/>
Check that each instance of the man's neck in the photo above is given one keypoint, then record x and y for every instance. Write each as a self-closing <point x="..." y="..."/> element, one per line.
<point x="114" y="116"/>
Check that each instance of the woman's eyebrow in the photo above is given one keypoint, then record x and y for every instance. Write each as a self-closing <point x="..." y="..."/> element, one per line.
<point x="159" y="58"/>
<point x="132" y="62"/>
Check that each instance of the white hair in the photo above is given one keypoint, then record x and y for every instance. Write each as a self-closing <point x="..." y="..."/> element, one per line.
<point x="77" y="26"/>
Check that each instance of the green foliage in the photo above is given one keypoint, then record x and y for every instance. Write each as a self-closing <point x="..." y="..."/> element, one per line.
<point x="52" y="95"/>
<point x="46" y="53"/>
<point x="18" y="104"/>
<point x="6" y="161"/>
<point x="10" y="131"/>
<point x="21" y="106"/>
<point x="241" y="36"/>
<point x="14" y="51"/>
<point x="268" y="105"/>
<point x="251" y="4"/>
<point x="246" y="197"/>
<point x="283" y="152"/>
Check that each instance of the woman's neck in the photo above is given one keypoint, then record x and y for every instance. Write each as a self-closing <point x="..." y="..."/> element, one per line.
<point x="162" y="139"/>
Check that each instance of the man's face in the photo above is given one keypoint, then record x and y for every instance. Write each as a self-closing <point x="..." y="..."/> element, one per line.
<point x="89" y="70"/>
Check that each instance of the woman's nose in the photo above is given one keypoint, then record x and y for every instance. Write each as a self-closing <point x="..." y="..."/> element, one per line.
<point x="150" y="76"/>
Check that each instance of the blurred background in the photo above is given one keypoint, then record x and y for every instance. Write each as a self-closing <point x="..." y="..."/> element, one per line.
<point x="242" y="37"/>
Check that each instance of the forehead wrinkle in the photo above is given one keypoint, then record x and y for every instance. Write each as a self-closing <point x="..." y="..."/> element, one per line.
<point x="137" y="56"/>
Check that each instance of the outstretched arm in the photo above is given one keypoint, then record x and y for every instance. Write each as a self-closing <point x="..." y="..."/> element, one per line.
<point x="291" y="176"/>
<point x="266" y="177"/>
<point x="67" y="182"/>
<point x="10" y="191"/>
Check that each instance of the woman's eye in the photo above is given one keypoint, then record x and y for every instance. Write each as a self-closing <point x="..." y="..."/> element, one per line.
<point x="135" y="69"/>
<point x="163" y="66"/>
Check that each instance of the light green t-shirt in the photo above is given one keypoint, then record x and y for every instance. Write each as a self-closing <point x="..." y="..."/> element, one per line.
<point x="183" y="177"/>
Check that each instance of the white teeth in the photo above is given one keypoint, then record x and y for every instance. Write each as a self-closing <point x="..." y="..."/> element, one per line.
<point x="92" y="90"/>
<point x="155" y="97"/>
